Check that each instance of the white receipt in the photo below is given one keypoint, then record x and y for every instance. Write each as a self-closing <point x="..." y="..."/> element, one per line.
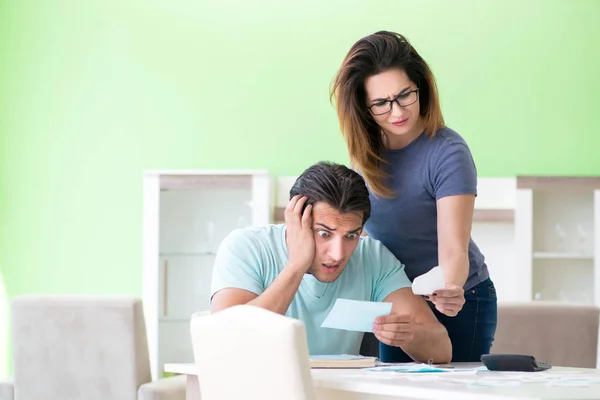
<point x="428" y="282"/>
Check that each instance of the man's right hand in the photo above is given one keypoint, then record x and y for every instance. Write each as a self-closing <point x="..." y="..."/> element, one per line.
<point x="278" y="296"/>
<point x="299" y="234"/>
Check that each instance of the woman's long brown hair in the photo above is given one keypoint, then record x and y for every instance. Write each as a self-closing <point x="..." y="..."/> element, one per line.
<point x="370" y="56"/>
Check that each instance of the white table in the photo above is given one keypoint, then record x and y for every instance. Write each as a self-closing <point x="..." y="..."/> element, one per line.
<point x="354" y="384"/>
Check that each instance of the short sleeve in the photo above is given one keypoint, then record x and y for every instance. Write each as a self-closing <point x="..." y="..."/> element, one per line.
<point x="238" y="263"/>
<point x="454" y="171"/>
<point x="388" y="272"/>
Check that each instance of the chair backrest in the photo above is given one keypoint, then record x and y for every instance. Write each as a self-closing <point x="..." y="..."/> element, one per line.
<point x="562" y="334"/>
<point x="249" y="353"/>
<point x="78" y="347"/>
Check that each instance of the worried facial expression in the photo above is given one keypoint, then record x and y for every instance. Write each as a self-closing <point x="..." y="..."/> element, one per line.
<point x="336" y="237"/>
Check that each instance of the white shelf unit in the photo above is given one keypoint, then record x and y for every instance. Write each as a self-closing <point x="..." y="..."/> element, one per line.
<point x="557" y="231"/>
<point x="186" y="216"/>
<point x="493" y="230"/>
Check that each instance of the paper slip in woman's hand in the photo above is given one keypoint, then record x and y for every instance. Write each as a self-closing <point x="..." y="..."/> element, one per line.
<point x="429" y="282"/>
<point x="449" y="301"/>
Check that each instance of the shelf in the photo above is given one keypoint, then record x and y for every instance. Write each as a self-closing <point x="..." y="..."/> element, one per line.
<point x="559" y="183"/>
<point x="175" y="319"/>
<point x="205" y="182"/>
<point x="479" y="215"/>
<point x="566" y="299"/>
<point x="543" y="255"/>
<point x="199" y="254"/>
<point x="493" y="215"/>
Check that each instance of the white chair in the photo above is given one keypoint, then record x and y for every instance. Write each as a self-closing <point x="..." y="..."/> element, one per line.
<point x="249" y="353"/>
<point x="83" y="348"/>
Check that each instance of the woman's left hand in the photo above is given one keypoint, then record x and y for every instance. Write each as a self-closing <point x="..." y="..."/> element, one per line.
<point x="448" y="301"/>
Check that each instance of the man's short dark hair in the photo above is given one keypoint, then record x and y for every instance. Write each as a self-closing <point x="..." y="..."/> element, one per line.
<point x="334" y="184"/>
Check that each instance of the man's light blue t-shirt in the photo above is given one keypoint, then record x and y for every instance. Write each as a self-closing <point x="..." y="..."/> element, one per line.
<point x="251" y="259"/>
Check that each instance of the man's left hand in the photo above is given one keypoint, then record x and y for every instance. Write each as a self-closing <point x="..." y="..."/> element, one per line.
<point x="448" y="301"/>
<point x="395" y="329"/>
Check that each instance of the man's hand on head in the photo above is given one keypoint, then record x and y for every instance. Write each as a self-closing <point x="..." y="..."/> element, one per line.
<point x="299" y="233"/>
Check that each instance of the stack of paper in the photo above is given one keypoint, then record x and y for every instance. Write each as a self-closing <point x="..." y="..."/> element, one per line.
<point x="418" y="368"/>
<point x="421" y="368"/>
<point x="342" y="361"/>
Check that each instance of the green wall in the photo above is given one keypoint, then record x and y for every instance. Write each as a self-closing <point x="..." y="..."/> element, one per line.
<point x="94" y="92"/>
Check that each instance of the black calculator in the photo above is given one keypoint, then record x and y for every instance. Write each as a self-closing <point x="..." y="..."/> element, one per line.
<point x="513" y="362"/>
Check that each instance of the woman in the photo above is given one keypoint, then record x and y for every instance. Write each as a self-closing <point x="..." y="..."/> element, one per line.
<point x="422" y="182"/>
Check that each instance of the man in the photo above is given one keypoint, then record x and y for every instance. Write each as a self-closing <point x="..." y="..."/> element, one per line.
<point x="301" y="267"/>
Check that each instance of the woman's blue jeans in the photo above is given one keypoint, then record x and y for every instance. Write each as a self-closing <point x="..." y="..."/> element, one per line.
<point x="471" y="331"/>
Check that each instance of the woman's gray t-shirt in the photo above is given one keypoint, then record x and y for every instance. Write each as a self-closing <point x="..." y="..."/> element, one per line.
<point x="421" y="173"/>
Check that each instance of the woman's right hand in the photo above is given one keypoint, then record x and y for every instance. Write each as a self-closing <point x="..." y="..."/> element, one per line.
<point x="299" y="233"/>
